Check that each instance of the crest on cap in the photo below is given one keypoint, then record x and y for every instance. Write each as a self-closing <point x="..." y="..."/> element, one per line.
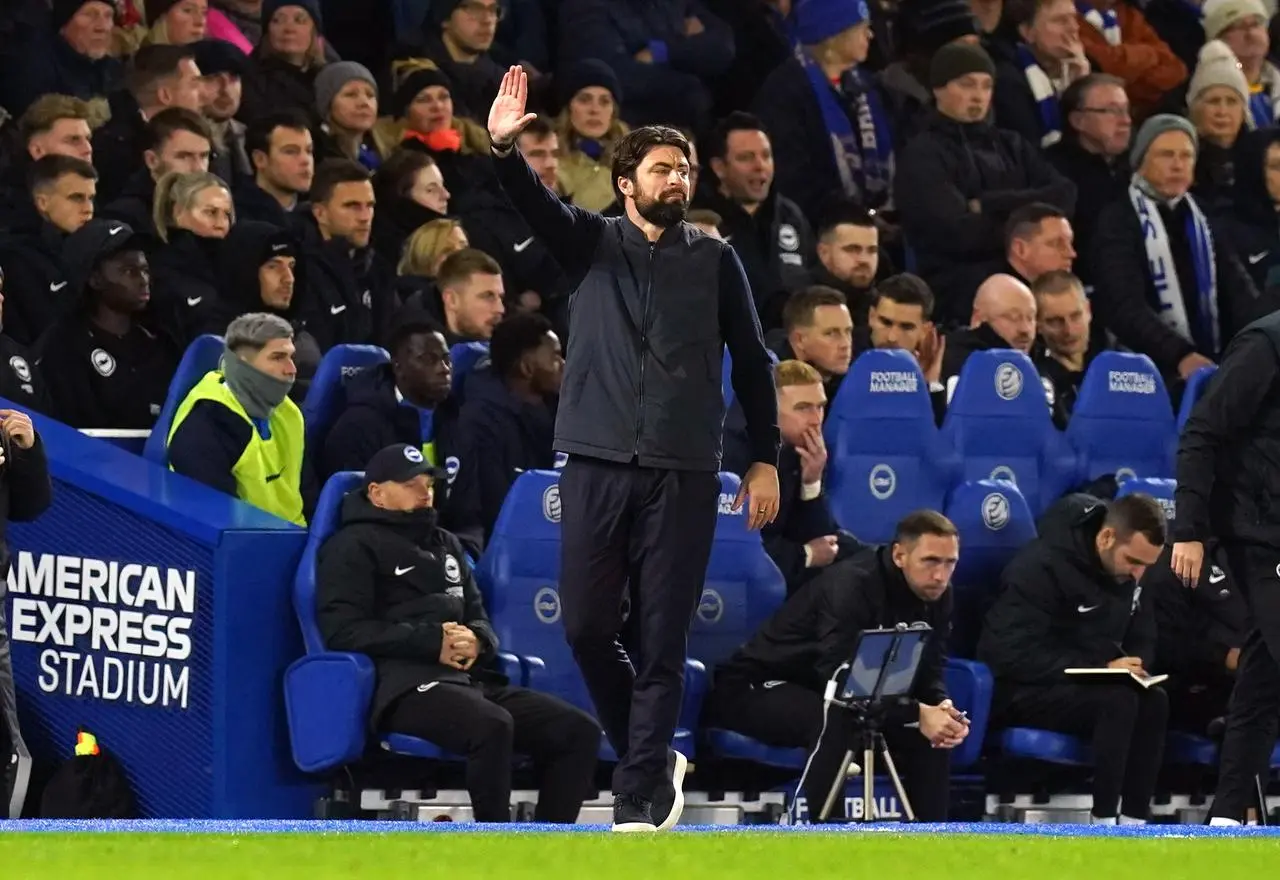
<point x="413" y="454"/>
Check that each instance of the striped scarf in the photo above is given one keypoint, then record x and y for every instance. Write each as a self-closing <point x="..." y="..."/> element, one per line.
<point x="1046" y="96"/>
<point x="1103" y="20"/>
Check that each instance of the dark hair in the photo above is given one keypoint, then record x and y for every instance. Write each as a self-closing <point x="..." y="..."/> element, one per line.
<point x="539" y="128"/>
<point x="1057" y="281"/>
<point x="843" y="212"/>
<point x="461" y="265"/>
<point x="257" y="137"/>
<point x="1024" y="222"/>
<point x="395" y="176"/>
<point x="46" y="170"/>
<point x="1073" y="98"/>
<point x="717" y="144"/>
<point x="402" y="333"/>
<point x="153" y="63"/>
<point x="513" y="336"/>
<point x="1020" y="12"/>
<point x="163" y="125"/>
<point x="907" y="290"/>
<point x="332" y="172"/>
<point x="1137" y="514"/>
<point x="633" y="146"/>
<point x="916" y="525"/>
<point x="800" y="306"/>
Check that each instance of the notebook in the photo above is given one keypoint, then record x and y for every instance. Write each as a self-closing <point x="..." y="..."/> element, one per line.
<point x="1106" y="672"/>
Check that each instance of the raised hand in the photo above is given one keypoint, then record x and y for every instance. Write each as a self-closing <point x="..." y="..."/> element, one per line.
<point x="507" y="117"/>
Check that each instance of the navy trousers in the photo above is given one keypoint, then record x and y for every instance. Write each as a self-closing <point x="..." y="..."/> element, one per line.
<point x="647" y="532"/>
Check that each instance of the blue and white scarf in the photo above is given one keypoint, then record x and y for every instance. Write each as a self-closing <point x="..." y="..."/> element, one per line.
<point x="865" y="160"/>
<point x="1104" y="20"/>
<point x="1203" y="327"/>
<point x="1264" y="103"/>
<point x="1042" y="89"/>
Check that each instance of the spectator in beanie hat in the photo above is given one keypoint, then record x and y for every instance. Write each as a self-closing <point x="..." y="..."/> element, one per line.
<point x="70" y="59"/>
<point x="1242" y="25"/>
<point x="347" y="102"/>
<point x="288" y="59"/>
<point x="925" y="27"/>
<point x="588" y="126"/>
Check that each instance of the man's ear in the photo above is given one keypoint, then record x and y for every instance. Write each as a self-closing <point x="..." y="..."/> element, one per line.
<point x="626" y="187"/>
<point x="151" y="159"/>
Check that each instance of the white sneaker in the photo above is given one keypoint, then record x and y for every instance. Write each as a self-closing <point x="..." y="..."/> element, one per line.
<point x="668" y="801"/>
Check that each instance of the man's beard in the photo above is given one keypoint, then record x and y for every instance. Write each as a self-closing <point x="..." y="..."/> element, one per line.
<point x="660" y="212"/>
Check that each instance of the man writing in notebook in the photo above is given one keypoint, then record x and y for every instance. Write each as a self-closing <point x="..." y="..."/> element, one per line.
<point x="1072" y="600"/>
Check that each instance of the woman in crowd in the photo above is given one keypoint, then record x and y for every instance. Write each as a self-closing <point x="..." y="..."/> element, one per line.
<point x="589" y="126"/>
<point x="411" y="193"/>
<point x="347" y="101"/>
<point x="287" y="60"/>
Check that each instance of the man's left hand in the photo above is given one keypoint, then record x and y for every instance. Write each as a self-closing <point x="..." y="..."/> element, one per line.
<point x="760" y="485"/>
<point x="17" y="426"/>
<point x="813" y="456"/>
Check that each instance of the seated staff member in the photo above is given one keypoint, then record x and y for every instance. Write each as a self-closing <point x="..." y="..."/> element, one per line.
<point x="771" y="688"/>
<point x="238" y="431"/>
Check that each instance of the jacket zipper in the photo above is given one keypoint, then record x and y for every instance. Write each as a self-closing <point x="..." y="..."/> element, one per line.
<point x="644" y="345"/>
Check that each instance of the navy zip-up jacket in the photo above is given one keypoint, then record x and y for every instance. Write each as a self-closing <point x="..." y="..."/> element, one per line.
<point x="649" y="325"/>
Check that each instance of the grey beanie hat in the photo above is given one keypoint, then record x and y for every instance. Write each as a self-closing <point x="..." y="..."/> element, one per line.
<point x="1152" y="129"/>
<point x="332" y="77"/>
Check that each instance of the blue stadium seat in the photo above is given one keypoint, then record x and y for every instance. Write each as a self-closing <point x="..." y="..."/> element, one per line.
<point x="743" y="587"/>
<point x="201" y="356"/>
<point x="1033" y="744"/>
<point x="1159" y="489"/>
<point x="519" y="574"/>
<point x="885" y="455"/>
<point x="326" y="397"/>
<point x="998" y="422"/>
<point x="466" y="357"/>
<point x="1123" y="421"/>
<point x="994" y="522"/>
<point x="1195" y="389"/>
<point x="328" y="693"/>
<point x="1188" y="748"/>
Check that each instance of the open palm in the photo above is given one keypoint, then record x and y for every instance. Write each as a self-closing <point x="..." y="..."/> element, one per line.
<point x="507" y="117"/>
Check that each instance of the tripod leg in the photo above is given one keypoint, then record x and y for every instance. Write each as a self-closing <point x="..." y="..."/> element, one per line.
<point x="837" y="787"/>
<point x="868" y="780"/>
<point x="897" y="781"/>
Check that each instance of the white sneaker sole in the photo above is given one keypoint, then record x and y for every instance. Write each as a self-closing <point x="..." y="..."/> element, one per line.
<point x="677" y="781"/>
<point x="633" y="828"/>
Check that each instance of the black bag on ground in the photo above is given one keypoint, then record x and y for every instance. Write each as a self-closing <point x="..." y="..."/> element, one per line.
<point x="91" y="785"/>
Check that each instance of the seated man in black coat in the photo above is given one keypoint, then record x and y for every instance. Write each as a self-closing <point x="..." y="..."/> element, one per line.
<point x="771" y="688"/>
<point x="1071" y="599"/>
<point x="397" y="587"/>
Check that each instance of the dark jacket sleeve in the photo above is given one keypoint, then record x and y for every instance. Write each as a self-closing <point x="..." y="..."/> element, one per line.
<point x="353" y="440"/>
<point x="931" y="681"/>
<point x="935" y="213"/>
<point x="1044" y="182"/>
<point x="1118" y="267"/>
<point x="1195" y="629"/>
<point x="346" y="607"/>
<point x="845" y="607"/>
<point x="1019" y="639"/>
<point x="476" y="618"/>
<point x="570" y="233"/>
<point x="484" y="475"/>
<point x="208" y="444"/>
<point x="1240" y="299"/>
<point x="1228" y="406"/>
<point x="752" y="367"/>
<point x="30" y="489"/>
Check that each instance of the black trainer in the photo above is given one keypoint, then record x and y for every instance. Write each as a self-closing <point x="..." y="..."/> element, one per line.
<point x="668" y="800"/>
<point x="631" y="814"/>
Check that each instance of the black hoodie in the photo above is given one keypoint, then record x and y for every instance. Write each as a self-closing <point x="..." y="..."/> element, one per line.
<point x="36" y="291"/>
<point x="386" y="581"/>
<point x="499" y="435"/>
<point x="397" y="218"/>
<point x="1253" y="225"/>
<point x="1059" y="608"/>
<point x="184" y="281"/>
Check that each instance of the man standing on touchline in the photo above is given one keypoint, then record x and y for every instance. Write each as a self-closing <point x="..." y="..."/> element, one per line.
<point x="641" y="417"/>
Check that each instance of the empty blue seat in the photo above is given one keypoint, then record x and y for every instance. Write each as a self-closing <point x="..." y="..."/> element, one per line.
<point x="201" y="356"/>
<point x="885" y="455"/>
<point x="998" y="422"/>
<point x="970" y="687"/>
<point x="1195" y="389"/>
<point x="1123" y="421"/>
<point x="519" y="575"/>
<point x="1033" y="744"/>
<point x="328" y="693"/>
<point x="1188" y="748"/>
<point x="995" y="522"/>
<point x="326" y="396"/>
<point x="1160" y="489"/>
<point x="743" y="587"/>
<point x="467" y="357"/>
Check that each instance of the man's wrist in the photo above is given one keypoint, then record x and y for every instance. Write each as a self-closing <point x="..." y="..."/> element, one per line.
<point x="502" y="150"/>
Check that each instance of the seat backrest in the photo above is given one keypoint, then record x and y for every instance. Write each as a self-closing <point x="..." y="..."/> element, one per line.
<point x="995" y="522"/>
<point x="466" y="357"/>
<point x="201" y="356"/>
<point x="326" y="396"/>
<point x="1123" y="421"/>
<point x="998" y="422"/>
<point x="885" y="456"/>
<point x="519" y="575"/>
<point x="1196" y="385"/>
<point x="324" y="522"/>
<point x="1162" y="490"/>
<point x="742" y="587"/>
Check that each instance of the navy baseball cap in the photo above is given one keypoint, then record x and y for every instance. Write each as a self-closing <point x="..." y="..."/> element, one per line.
<point x="399" y="464"/>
